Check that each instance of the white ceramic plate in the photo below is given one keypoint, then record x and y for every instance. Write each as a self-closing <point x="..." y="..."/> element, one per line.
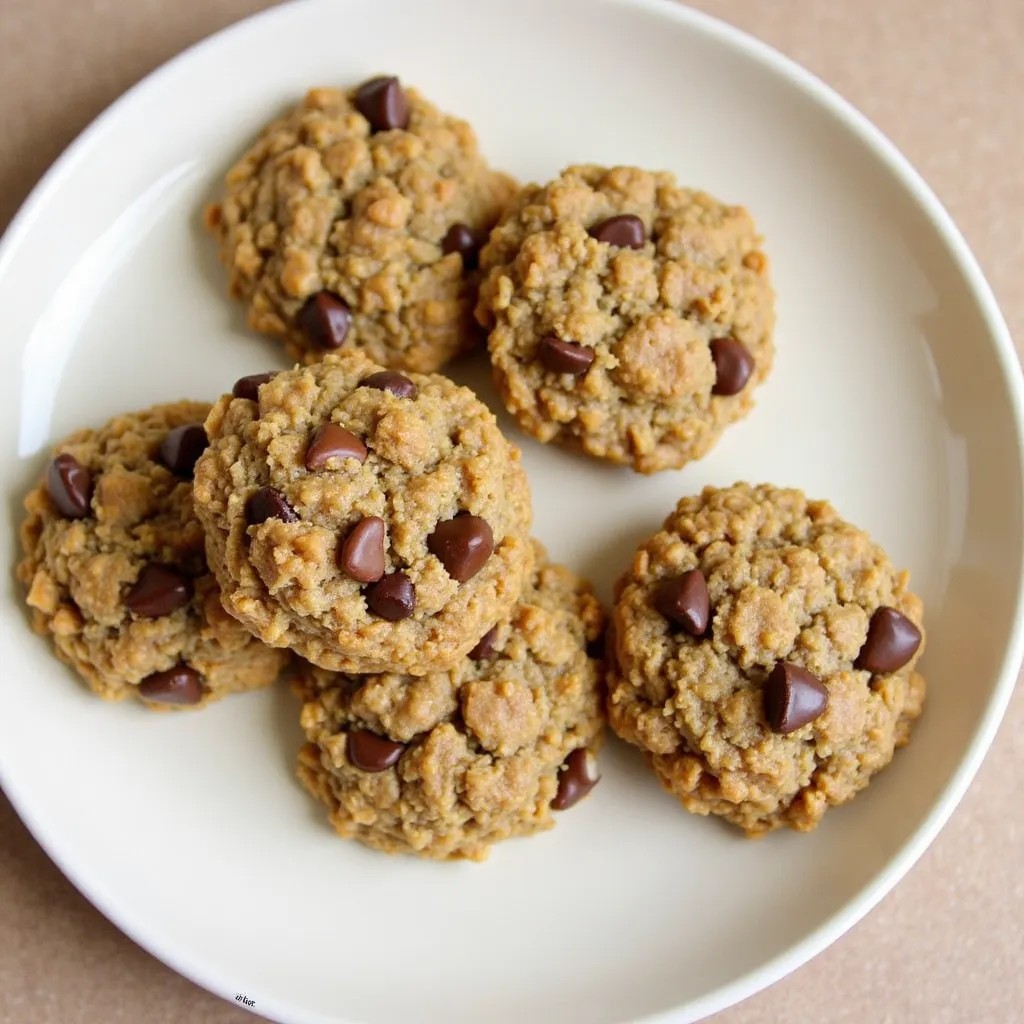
<point x="895" y="394"/>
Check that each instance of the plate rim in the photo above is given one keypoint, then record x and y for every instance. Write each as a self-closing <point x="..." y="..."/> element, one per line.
<point x="900" y="167"/>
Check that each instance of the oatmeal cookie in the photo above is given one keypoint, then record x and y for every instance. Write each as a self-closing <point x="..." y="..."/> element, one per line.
<point x="628" y="316"/>
<point x="373" y="522"/>
<point x="445" y="764"/>
<point x="115" y="569"/>
<point x="764" y="657"/>
<point x="356" y="219"/>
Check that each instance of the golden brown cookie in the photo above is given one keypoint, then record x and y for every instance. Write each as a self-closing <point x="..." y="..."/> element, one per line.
<point x="446" y="764"/>
<point x="356" y="220"/>
<point x="115" y="568"/>
<point x="628" y="317"/>
<point x="764" y="656"/>
<point x="371" y="521"/>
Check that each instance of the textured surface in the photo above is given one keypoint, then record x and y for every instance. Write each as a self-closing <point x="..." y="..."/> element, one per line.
<point x="79" y="571"/>
<point x="788" y="581"/>
<point x="431" y="456"/>
<point x="944" y="946"/>
<point x="322" y="202"/>
<point x="645" y="315"/>
<point x="482" y="743"/>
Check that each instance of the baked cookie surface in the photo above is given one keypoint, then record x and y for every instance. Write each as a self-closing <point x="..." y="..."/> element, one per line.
<point x="371" y="521"/>
<point x="115" y="568"/>
<point x="446" y="764"/>
<point x="763" y="655"/>
<point x="628" y="316"/>
<point x="355" y="221"/>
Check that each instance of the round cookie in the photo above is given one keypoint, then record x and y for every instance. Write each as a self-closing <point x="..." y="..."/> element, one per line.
<point x="371" y="521"/>
<point x="115" y="569"/>
<point x="356" y="219"/>
<point x="628" y="317"/>
<point x="764" y="657"/>
<point x="444" y="765"/>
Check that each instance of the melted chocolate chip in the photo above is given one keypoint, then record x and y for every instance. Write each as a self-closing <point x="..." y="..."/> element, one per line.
<point x="382" y="101"/>
<point x="462" y="545"/>
<point x="362" y="553"/>
<point x="484" y="649"/>
<point x="564" y="356"/>
<point x="333" y="442"/>
<point x="576" y="779"/>
<point x="181" y="448"/>
<point x="268" y="503"/>
<point x="179" y="685"/>
<point x="461" y="238"/>
<point x="69" y="485"/>
<point x="684" y="600"/>
<point x="249" y="387"/>
<point x="372" y="753"/>
<point x="792" y="698"/>
<point x="625" y="230"/>
<point x="325" y="320"/>
<point x="733" y="366"/>
<point x="392" y="598"/>
<point x="159" y="590"/>
<point x="387" y="380"/>
<point x="891" y="642"/>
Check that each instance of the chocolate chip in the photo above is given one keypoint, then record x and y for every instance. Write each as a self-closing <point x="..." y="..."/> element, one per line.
<point x="249" y="387"/>
<point x="362" y="553"/>
<point x="461" y="238"/>
<point x="159" y="590"/>
<point x="484" y="649"/>
<point x="382" y="101"/>
<point x="268" y="503"/>
<point x="462" y="545"/>
<point x="792" y="697"/>
<point x="333" y="442"/>
<point x="564" y="356"/>
<point x="684" y="600"/>
<point x="179" y="685"/>
<point x="625" y="230"/>
<point x="325" y="320"/>
<point x="733" y="366"/>
<point x="181" y="448"/>
<point x="892" y="641"/>
<point x="393" y="598"/>
<point x="596" y="648"/>
<point x="387" y="380"/>
<point x="69" y="485"/>
<point x="578" y="776"/>
<point x="372" y="753"/>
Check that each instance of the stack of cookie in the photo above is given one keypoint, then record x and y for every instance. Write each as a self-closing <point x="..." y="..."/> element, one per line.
<point x="377" y="524"/>
<point x="374" y="524"/>
<point x="362" y="519"/>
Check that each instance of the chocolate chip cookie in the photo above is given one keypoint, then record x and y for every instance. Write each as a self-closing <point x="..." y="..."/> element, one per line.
<point x="115" y="569"/>
<point x="629" y="317"/>
<point x="372" y="521"/>
<point x="445" y="764"/>
<point x="356" y="220"/>
<point x="764" y="656"/>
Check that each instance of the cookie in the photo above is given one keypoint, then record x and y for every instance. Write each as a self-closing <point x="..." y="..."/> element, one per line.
<point x="765" y="657"/>
<point x="446" y="764"/>
<point x="115" y="568"/>
<point x="372" y="521"/>
<point x="629" y="317"/>
<point x="356" y="220"/>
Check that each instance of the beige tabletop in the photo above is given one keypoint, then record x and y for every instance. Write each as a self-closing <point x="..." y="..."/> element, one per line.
<point x="945" y="80"/>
